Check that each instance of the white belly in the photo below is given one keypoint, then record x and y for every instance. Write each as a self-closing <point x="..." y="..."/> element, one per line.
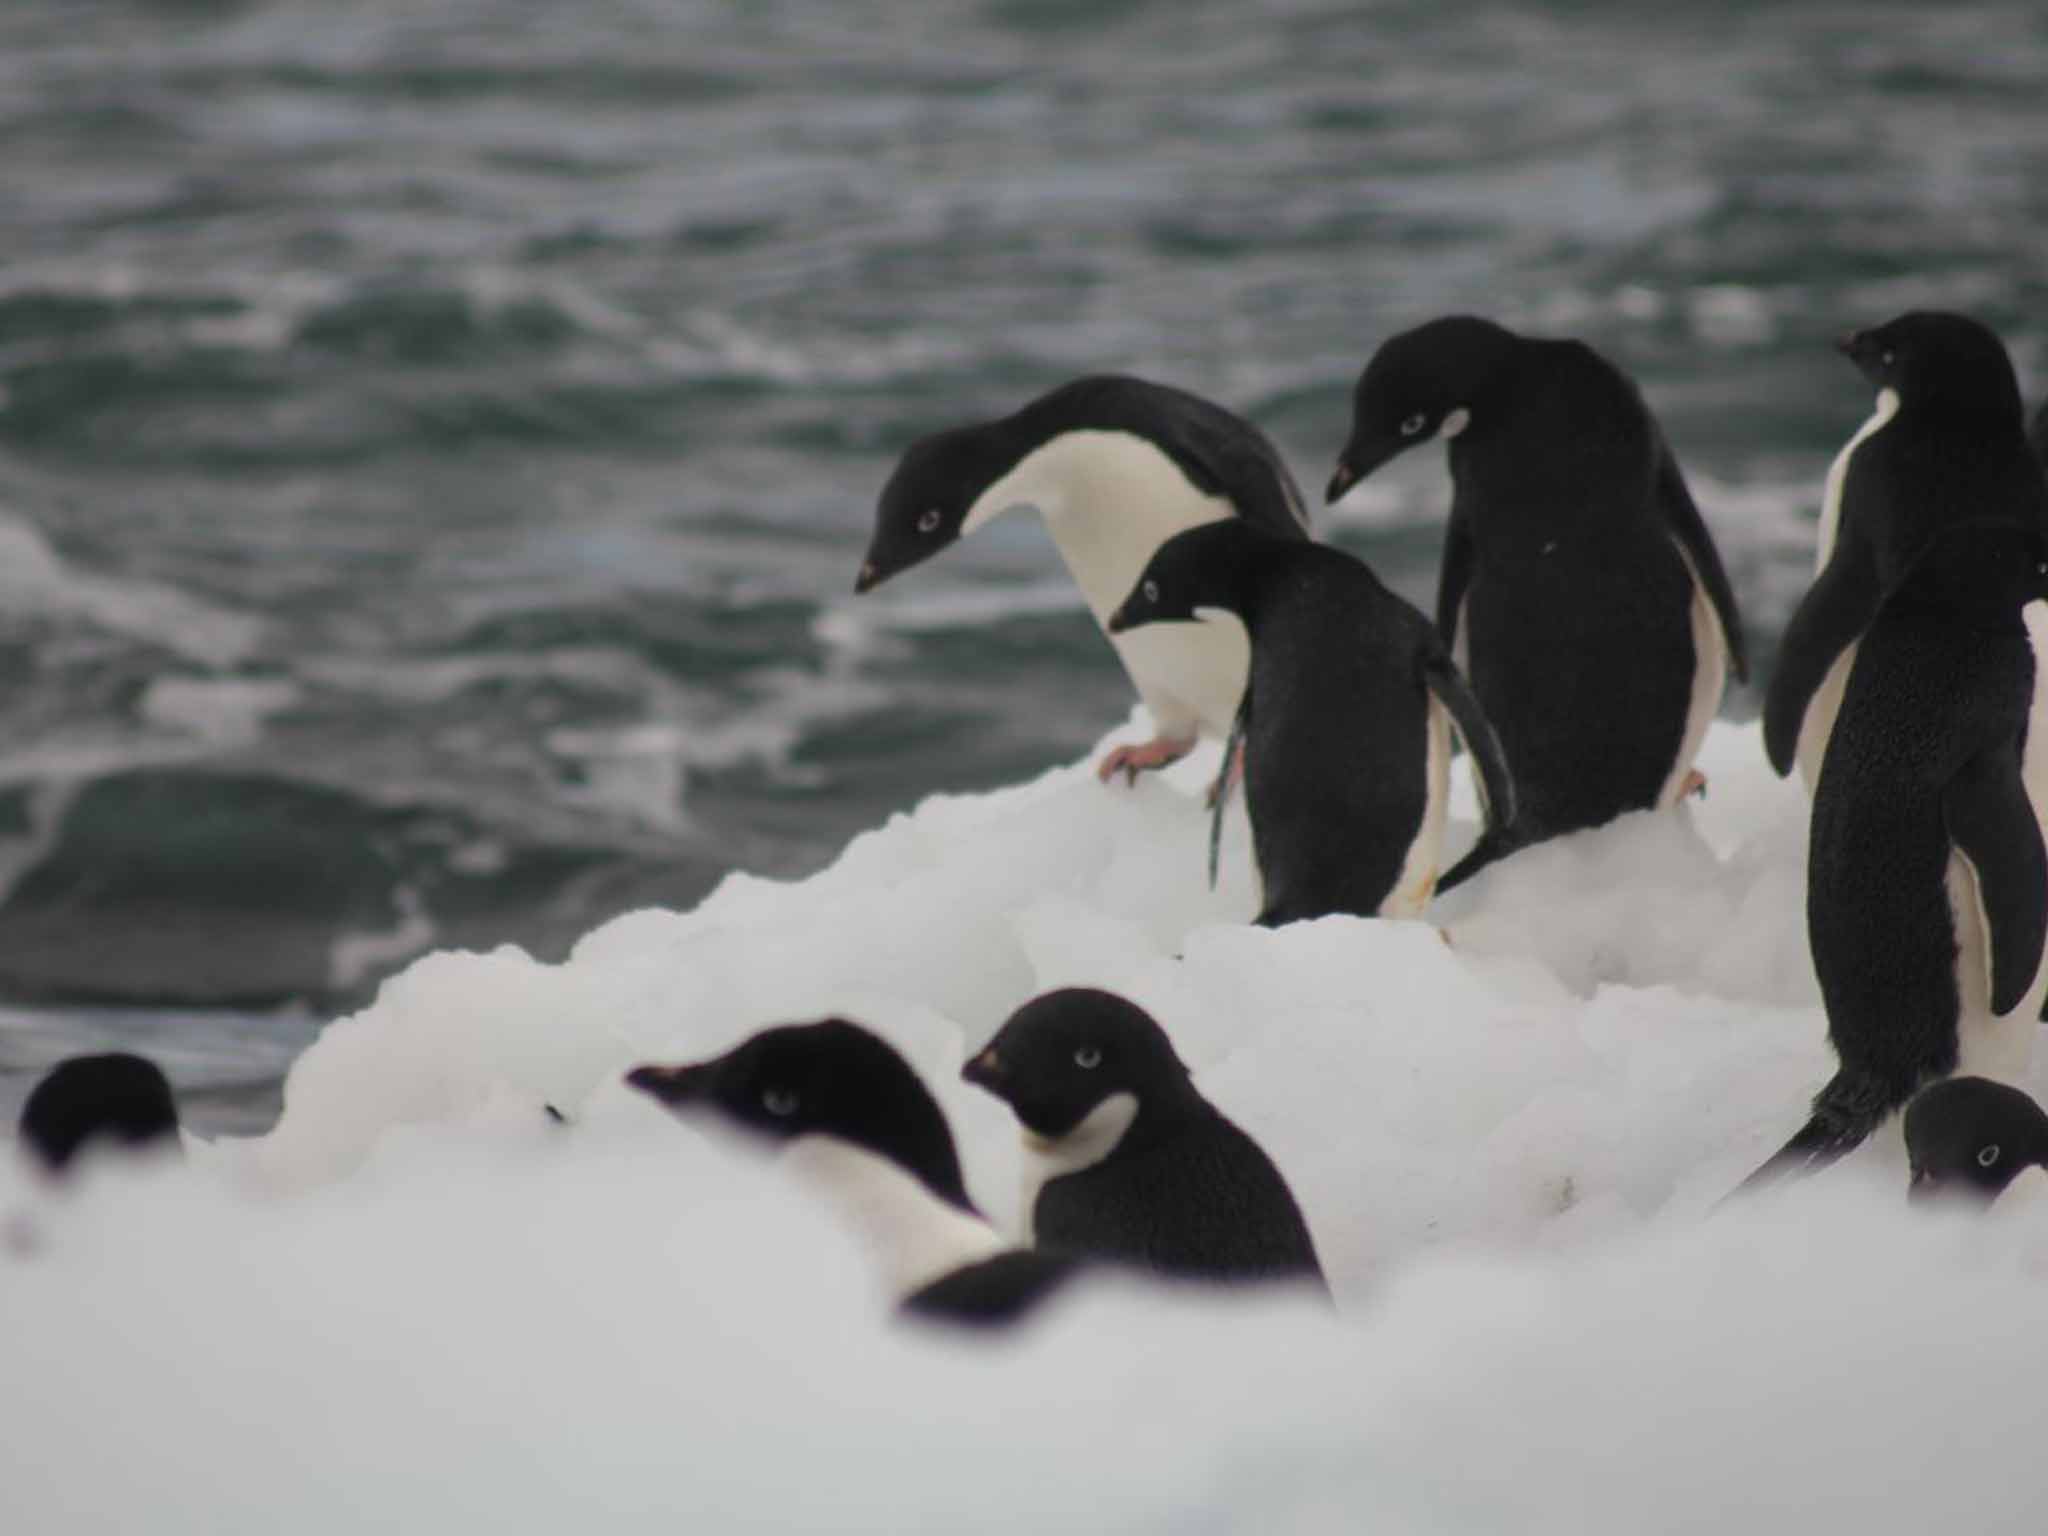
<point x="1425" y="855"/>
<point x="1819" y="722"/>
<point x="1709" y="678"/>
<point x="913" y="1234"/>
<point x="1997" y="1046"/>
<point x="1110" y="499"/>
<point x="1083" y="1147"/>
<point x="1838" y="476"/>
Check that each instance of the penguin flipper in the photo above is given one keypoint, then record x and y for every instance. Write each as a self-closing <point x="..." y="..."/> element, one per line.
<point x="1837" y="608"/>
<point x="1682" y="516"/>
<point x="1455" y="577"/>
<point x="1991" y="821"/>
<point x="993" y="1292"/>
<point x="1440" y="675"/>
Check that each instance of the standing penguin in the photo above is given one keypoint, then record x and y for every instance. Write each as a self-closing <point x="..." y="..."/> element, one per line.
<point x="1580" y="590"/>
<point x="1116" y="466"/>
<point x="86" y="1103"/>
<point x="1971" y="1137"/>
<point x="1124" y="1159"/>
<point x="1946" y="443"/>
<point x="1927" y="880"/>
<point x="857" y="1124"/>
<point x="1348" y="714"/>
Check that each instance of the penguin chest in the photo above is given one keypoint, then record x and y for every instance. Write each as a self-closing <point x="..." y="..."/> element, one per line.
<point x="1818" y="724"/>
<point x="1088" y="1143"/>
<point x="1709" y="679"/>
<point x="913" y="1234"/>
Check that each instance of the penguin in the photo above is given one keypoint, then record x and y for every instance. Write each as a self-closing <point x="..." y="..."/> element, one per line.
<point x="1124" y="1159"/>
<point x="87" y="1102"/>
<point x="2037" y="436"/>
<point x="1927" y="878"/>
<point x="1347" y="718"/>
<point x="855" y="1122"/>
<point x="1971" y="1137"/>
<point x="1581" y="591"/>
<point x="1116" y="466"/>
<point x="1946" y="443"/>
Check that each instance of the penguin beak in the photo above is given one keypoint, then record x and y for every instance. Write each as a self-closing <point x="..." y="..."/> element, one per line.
<point x="1117" y="622"/>
<point x="869" y="578"/>
<point x="671" y="1085"/>
<point x="1341" y="480"/>
<point x="985" y="1070"/>
<point x="1849" y="343"/>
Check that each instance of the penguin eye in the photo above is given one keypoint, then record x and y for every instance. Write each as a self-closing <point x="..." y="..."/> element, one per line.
<point x="1151" y="591"/>
<point x="1988" y="1156"/>
<point x="779" y="1102"/>
<point x="1414" y="424"/>
<point x="1887" y="357"/>
<point x="929" y="522"/>
<point x="1088" y="1057"/>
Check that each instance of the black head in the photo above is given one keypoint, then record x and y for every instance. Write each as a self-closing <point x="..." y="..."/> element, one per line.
<point x="928" y="499"/>
<point x="1416" y="386"/>
<point x="832" y="1078"/>
<point x="1198" y="568"/>
<point x="1062" y="1054"/>
<point x="1970" y="1136"/>
<point x="1982" y="572"/>
<point x="114" y="1100"/>
<point x="1938" y="362"/>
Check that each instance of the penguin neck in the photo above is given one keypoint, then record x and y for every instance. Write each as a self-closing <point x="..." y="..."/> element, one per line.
<point x="911" y="1231"/>
<point x="1093" y="1138"/>
<point x="2028" y="1191"/>
<point x="1109" y="499"/>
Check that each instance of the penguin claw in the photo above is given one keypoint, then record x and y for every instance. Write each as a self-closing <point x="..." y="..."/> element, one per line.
<point x="1132" y="760"/>
<point x="1695" y="784"/>
<point x="1226" y="781"/>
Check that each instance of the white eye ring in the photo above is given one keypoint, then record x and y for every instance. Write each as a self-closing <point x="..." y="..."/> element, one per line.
<point x="1887" y="357"/>
<point x="1088" y="1057"/>
<point x="929" y="522"/>
<point x="1151" y="591"/>
<point x="779" y="1102"/>
<point x="1414" y="424"/>
<point x="1988" y="1157"/>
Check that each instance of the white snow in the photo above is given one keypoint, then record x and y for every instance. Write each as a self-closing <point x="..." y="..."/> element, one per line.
<point x="418" y="1305"/>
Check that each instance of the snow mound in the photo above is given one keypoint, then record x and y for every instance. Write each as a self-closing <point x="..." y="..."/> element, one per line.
<point x="417" y="1303"/>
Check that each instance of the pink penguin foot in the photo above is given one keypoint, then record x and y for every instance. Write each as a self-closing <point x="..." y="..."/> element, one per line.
<point x="1695" y="784"/>
<point x="1227" y="781"/>
<point x="1131" y="761"/>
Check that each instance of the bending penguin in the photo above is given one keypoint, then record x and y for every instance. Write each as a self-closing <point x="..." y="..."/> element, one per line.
<point x="1124" y="1160"/>
<point x="1116" y="466"/>
<point x="1927" y="880"/>
<point x="1946" y="443"/>
<point x="1580" y="591"/>
<point x="1347" y="718"/>
<point x="87" y="1103"/>
<point x="856" y="1123"/>
<point x="1972" y="1138"/>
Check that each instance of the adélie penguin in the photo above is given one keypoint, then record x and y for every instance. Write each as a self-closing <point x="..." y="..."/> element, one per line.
<point x="1124" y="1159"/>
<point x="1581" y="591"/>
<point x="90" y="1103"/>
<point x="1115" y="466"/>
<point x="1347" y="718"/>
<point x="1945" y="444"/>
<point x="1972" y="1138"/>
<point x="1927" y="878"/>
<point x="858" y="1125"/>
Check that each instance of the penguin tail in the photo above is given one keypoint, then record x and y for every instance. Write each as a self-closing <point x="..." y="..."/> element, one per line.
<point x="1505" y="829"/>
<point x="1845" y="1112"/>
<point x="1494" y="844"/>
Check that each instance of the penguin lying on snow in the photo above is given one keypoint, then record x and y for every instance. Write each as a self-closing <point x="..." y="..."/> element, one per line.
<point x="1971" y="1137"/>
<point x="1947" y="443"/>
<point x="1124" y="1159"/>
<point x="1581" y="592"/>
<point x="1116" y="466"/>
<point x="857" y="1124"/>
<point x="1347" y="713"/>
<point x="1927" y="879"/>
<point x="92" y="1102"/>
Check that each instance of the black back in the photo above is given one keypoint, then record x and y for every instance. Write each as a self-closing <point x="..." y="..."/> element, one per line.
<point x="2037" y="437"/>
<point x="1568" y="561"/>
<point x="1335" y="713"/>
<point x="941" y="476"/>
<point x="1970" y="1136"/>
<point x="1184" y="1192"/>
<point x="116" y="1099"/>
<point x="996" y="1292"/>
<point x="1955" y="451"/>
<point x="831" y="1078"/>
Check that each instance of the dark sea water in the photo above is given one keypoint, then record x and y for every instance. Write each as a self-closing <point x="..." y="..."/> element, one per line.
<point x="436" y="440"/>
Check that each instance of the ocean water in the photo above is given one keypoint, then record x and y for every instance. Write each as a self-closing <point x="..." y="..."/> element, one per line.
<point x="436" y="443"/>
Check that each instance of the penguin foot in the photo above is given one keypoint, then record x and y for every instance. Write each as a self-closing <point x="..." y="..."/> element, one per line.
<point x="1227" y="781"/>
<point x="1695" y="784"/>
<point x="1131" y="761"/>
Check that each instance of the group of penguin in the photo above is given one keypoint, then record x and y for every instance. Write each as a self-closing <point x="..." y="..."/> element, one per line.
<point x="1583" y="633"/>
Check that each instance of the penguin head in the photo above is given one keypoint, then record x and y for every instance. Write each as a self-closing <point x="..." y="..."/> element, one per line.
<point x="1419" y="385"/>
<point x="1937" y="361"/>
<point x="929" y="499"/>
<point x="1060" y="1056"/>
<point x="1197" y="568"/>
<point x="1969" y="1136"/>
<point x="115" y="1100"/>
<point x="831" y="1079"/>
